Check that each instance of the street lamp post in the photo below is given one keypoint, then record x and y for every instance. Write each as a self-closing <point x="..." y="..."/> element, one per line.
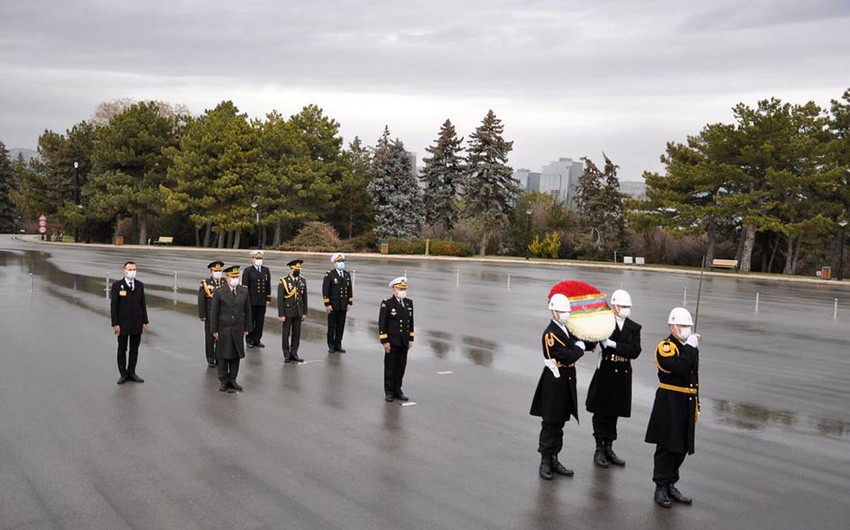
<point x="842" y="223"/>
<point x="77" y="197"/>
<point x="255" y="204"/>
<point x="527" y="233"/>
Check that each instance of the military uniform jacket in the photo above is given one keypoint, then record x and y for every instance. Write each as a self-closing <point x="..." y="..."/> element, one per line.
<point x="258" y="283"/>
<point x="555" y="399"/>
<point x="395" y="321"/>
<point x="292" y="297"/>
<point x="674" y="413"/>
<point x="127" y="307"/>
<point x="610" y="390"/>
<point x="205" y="295"/>
<point x="230" y="317"/>
<point x="337" y="291"/>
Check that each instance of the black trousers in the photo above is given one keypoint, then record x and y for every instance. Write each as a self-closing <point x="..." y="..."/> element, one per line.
<point x="395" y="362"/>
<point x="551" y="437"/>
<point x="336" y="325"/>
<point x="604" y="428"/>
<point x="291" y="337"/>
<point x="228" y="369"/>
<point x="209" y="342"/>
<point x="258" y="318"/>
<point x="125" y="366"/>
<point x="667" y="464"/>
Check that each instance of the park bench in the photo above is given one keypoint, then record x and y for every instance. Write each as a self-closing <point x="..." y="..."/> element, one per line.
<point x="731" y="264"/>
<point x="164" y="240"/>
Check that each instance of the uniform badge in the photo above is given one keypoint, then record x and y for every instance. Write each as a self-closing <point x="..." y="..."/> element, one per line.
<point x="122" y="292"/>
<point x="393" y="312"/>
<point x="667" y="349"/>
<point x="550" y="340"/>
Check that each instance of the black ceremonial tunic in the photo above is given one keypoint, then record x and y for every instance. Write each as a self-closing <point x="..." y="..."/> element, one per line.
<point x="674" y="413"/>
<point x="610" y="390"/>
<point x="555" y="398"/>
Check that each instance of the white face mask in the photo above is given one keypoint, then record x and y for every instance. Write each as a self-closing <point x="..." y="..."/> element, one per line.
<point x="684" y="332"/>
<point x="563" y="318"/>
<point x="233" y="281"/>
<point x="131" y="274"/>
<point x="624" y="312"/>
<point x="340" y="265"/>
<point x="401" y="294"/>
<point x="258" y="262"/>
<point x="217" y="275"/>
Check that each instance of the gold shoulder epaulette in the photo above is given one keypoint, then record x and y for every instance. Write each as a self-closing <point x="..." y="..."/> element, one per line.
<point x="667" y="348"/>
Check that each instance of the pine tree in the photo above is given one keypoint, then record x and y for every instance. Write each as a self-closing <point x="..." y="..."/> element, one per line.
<point x="441" y="175"/>
<point x="600" y="207"/>
<point x="395" y="191"/>
<point x="8" y="210"/>
<point x="489" y="189"/>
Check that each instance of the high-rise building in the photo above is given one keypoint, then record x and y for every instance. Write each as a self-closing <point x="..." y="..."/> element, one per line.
<point x="559" y="178"/>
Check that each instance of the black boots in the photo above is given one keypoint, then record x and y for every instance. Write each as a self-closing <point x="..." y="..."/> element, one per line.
<point x="545" y="470"/>
<point x="677" y="496"/>
<point x="599" y="457"/>
<point x="661" y="497"/>
<point x="611" y="456"/>
<point x="559" y="468"/>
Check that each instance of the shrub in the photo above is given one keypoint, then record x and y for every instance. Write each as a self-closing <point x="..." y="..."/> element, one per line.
<point x="546" y="248"/>
<point x="315" y="236"/>
<point x="436" y="247"/>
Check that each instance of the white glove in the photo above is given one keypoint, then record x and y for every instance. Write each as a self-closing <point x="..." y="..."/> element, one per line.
<point x="693" y="340"/>
<point x="553" y="366"/>
<point x="580" y="344"/>
<point x="608" y="343"/>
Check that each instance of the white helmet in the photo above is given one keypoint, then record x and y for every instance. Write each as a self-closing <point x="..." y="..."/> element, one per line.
<point x="559" y="302"/>
<point x="621" y="298"/>
<point x="680" y="317"/>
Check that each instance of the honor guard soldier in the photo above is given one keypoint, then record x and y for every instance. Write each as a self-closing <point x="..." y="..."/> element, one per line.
<point x="338" y="296"/>
<point x="674" y="414"/>
<point x="609" y="395"/>
<point x="129" y="313"/>
<point x="395" y="331"/>
<point x="555" y="397"/>
<point x="205" y="296"/>
<point x="230" y="323"/>
<point x="258" y="280"/>
<point x="292" y="310"/>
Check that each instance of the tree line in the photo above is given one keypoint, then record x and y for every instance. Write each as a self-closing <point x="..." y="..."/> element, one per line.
<point x="769" y="189"/>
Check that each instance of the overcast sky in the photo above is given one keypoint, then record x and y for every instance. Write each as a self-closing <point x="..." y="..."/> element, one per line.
<point x="567" y="78"/>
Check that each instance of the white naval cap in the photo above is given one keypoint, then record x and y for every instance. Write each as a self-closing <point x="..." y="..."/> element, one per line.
<point x="339" y="256"/>
<point x="257" y="252"/>
<point x="400" y="282"/>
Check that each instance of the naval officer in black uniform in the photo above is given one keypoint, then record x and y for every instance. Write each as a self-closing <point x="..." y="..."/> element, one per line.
<point x="338" y="296"/>
<point x="292" y="310"/>
<point x="395" y="331"/>
<point x="205" y="296"/>
<point x="257" y="278"/>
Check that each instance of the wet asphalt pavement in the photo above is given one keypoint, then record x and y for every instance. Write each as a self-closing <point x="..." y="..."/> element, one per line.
<point x="315" y="446"/>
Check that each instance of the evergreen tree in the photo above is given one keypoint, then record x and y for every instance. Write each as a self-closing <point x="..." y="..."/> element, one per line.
<point x="8" y="185"/>
<point x="489" y="188"/>
<point x="441" y="176"/>
<point x="357" y="204"/>
<point x="395" y="191"/>
<point x="599" y="203"/>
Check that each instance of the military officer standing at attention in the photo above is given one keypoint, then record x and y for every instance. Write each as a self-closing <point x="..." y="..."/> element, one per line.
<point x="609" y="395"/>
<point x="395" y="331"/>
<point x="230" y="322"/>
<point x="258" y="280"/>
<point x="555" y="397"/>
<point x="292" y="310"/>
<point x="129" y="313"/>
<point x="205" y="296"/>
<point x="338" y="296"/>
<point x="674" y="414"/>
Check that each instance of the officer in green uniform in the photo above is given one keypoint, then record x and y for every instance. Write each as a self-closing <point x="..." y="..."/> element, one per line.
<point x="230" y="322"/>
<point x="292" y="310"/>
<point x="205" y="296"/>
<point x="395" y="331"/>
<point x="674" y="414"/>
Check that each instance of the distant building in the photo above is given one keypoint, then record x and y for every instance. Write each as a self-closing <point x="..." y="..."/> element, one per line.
<point x="561" y="179"/>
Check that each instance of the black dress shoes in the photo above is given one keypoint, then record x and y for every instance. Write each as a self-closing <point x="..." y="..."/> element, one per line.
<point x="559" y="468"/>
<point x="661" y="497"/>
<point x="340" y="350"/>
<point x="134" y="378"/>
<point x="297" y="359"/>
<point x="259" y="344"/>
<point x="212" y="364"/>
<point x="288" y="360"/>
<point x="388" y="398"/>
<point x="677" y="496"/>
<point x="249" y="344"/>
<point x="122" y="379"/>
<point x="401" y="397"/>
<point x="236" y="386"/>
<point x="223" y="387"/>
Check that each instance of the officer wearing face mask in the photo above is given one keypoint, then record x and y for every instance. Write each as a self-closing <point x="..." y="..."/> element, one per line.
<point x="257" y="278"/>
<point x="395" y="331"/>
<point x="676" y="408"/>
<point x="230" y="322"/>
<point x="129" y="313"/>
<point x="338" y="296"/>
<point x="555" y="398"/>
<point x="205" y="296"/>
<point x="292" y="310"/>
<point x="609" y="395"/>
